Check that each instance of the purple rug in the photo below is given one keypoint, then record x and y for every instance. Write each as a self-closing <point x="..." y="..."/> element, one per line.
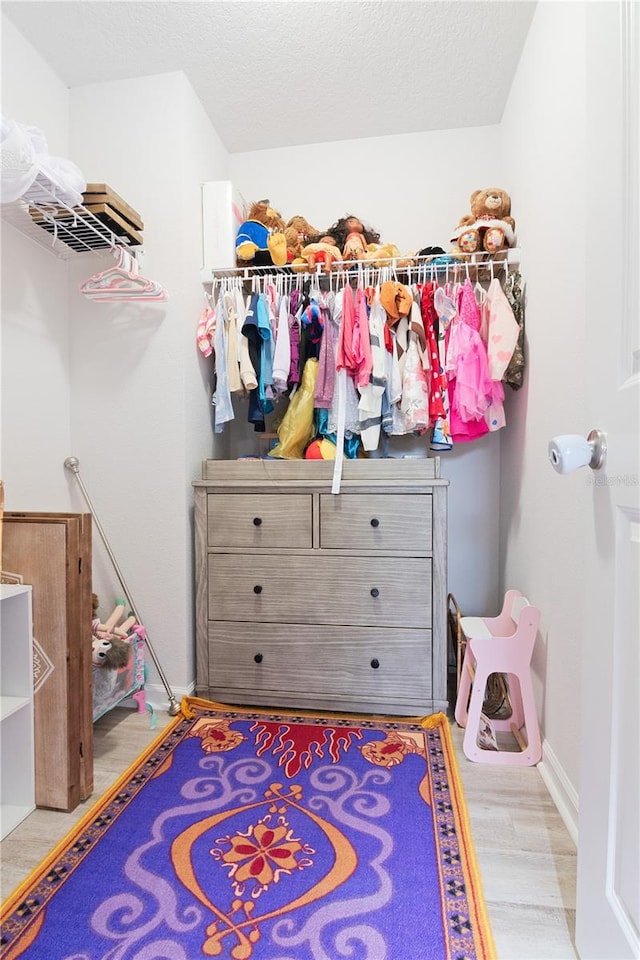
<point x="266" y="836"/>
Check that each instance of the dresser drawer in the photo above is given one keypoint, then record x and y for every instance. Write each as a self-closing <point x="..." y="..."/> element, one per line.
<point x="376" y="522"/>
<point x="259" y="520"/>
<point x="323" y="589"/>
<point x="351" y="662"/>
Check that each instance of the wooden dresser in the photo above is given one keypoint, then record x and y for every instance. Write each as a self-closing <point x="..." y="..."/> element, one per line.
<point x="321" y="601"/>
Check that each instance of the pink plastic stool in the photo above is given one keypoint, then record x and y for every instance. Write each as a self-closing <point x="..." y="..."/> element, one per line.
<point x="502" y="644"/>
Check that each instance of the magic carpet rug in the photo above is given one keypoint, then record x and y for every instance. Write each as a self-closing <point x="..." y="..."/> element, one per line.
<point x="252" y="835"/>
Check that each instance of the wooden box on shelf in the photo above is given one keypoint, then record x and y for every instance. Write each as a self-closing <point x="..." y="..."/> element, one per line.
<point x="105" y="204"/>
<point x="103" y="216"/>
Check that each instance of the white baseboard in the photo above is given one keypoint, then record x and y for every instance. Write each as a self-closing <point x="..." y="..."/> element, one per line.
<point x="560" y="789"/>
<point x="156" y="695"/>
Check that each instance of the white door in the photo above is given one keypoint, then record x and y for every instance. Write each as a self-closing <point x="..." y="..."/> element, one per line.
<point x="608" y="895"/>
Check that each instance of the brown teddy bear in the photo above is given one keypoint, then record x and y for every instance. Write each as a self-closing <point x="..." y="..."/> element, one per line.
<point x="260" y="240"/>
<point x="298" y="232"/>
<point x="489" y="227"/>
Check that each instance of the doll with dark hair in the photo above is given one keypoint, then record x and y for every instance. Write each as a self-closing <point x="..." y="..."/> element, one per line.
<point x="352" y="237"/>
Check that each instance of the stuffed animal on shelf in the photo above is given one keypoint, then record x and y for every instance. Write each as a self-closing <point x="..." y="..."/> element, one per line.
<point x="260" y="240"/>
<point x="489" y="227"/>
<point x="379" y="255"/>
<point x="298" y="232"/>
<point x="322" y="251"/>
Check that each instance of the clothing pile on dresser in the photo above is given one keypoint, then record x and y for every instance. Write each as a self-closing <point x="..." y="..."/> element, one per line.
<point x="426" y="358"/>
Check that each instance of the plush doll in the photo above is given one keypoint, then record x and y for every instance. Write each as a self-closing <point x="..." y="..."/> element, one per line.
<point x="321" y="251"/>
<point x="489" y="227"/>
<point x="352" y="236"/>
<point x="112" y="653"/>
<point x="298" y="232"/>
<point x="260" y="240"/>
<point x="111" y="646"/>
<point x="355" y="246"/>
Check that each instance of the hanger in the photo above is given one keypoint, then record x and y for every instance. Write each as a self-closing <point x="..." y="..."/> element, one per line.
<point x="122" y="282"/>
<point x="478" y="288"/>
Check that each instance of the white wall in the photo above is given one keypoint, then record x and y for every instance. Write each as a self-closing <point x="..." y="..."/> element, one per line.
<point x="543" y="514"/>
<point x="31" y="92"/>
<point x="121" y="386"/>
<point x="35" y="339"/>
<point x="140" y="393"/>
<point x="412" y="189"/>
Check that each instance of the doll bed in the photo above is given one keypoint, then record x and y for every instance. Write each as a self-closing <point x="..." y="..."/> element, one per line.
<point x="111" y="687"/>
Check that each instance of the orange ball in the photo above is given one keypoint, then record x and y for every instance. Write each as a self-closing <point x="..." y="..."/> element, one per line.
<point x="320" y="450"/>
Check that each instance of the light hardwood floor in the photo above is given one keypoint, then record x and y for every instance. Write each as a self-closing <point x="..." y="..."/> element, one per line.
<point x="526" y="857"/>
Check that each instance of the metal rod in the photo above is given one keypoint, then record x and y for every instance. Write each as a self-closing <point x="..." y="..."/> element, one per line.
<point x="472" y="260"/>
<point x="73" y="464"/>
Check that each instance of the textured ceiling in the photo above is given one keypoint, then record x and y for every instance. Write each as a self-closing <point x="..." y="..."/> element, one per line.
<point x="273" y="74"/>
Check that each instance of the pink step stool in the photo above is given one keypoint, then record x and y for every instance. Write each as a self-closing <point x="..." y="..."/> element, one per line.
<point x="502" y="644"/>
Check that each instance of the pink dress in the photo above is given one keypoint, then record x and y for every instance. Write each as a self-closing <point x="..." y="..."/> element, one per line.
<point x="353" y="350"/>
<point x="470" y="387"/>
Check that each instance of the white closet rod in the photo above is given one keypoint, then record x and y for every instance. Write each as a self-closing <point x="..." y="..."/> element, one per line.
<point x="339" y="267"/>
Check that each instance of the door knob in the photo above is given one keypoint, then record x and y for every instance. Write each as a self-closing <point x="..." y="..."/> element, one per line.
<point x="570" y="451"/>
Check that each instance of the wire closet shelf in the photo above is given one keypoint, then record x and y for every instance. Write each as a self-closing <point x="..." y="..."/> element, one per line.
<point x="46" y="219"/>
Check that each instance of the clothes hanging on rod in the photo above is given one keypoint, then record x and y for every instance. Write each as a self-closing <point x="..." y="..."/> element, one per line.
<point x="426" y="357"/>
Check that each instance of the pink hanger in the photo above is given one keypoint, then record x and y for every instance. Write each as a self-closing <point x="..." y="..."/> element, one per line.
<point x="122" y="282"/>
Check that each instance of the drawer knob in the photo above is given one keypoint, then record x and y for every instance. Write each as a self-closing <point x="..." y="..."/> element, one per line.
<point x="258" y="658"/>
<point x="375" y="592"/>
<point x="375" y="522"/>
<point x="375" y="663"/>
<point x="257" y="521"/>
<point x="257" y="588"/>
